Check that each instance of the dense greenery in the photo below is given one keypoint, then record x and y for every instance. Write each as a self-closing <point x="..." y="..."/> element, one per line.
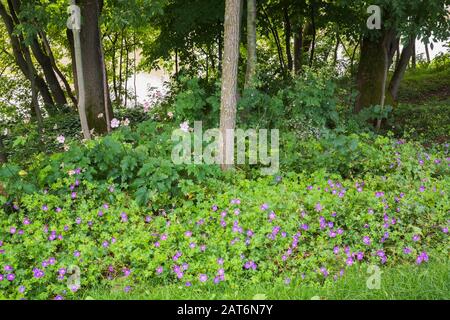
<point x="104" y="213"/>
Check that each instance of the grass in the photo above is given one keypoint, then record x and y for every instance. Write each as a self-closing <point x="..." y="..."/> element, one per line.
<point x="425" y="282"/>
<point x="426" y="83"/>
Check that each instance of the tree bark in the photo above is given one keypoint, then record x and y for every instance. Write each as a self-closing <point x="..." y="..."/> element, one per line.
<point x="371" y="73"/>
<point x="3" y="156"/>
<point x="229" y="81"/>
<point x="251" y="44"/>
<point x="400" y="70"/>
<point x="298" y="44"/>
<point x="427" y="52"/>
<point x="57" y="70"/>
<point x="46" y="65"/>
<point x="20" y="54"/>
<point x="287" y="36"/>
<point x="308" y="34"/>
<point x="93" y="66"/>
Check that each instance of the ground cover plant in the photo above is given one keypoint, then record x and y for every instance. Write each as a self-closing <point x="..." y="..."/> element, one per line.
<point x="94" y="206"/>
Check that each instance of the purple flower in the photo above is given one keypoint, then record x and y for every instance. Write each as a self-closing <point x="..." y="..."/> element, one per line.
<point x="44" y="208"/>
<point x="124" y="217"/>
<point x="127" y="289"/>
<point x="126" y="272"/>
<point x="159" y="270"/>
<point x="188" y="284"/>
<point x="78" y="221"/>
<point x="360" y="256"/>
<point x="76" y="253"/>
<point x="105" y="244"/>
<point x="220" y="261"/>
<point x="367" y="240"/>
<point x="416" y="238"/>
<point x="318" y="207"/>
<point x="37" y="273"/>
<point x="423" y="257"/>
<point x="264" y="207"/>
<point x="8" y="268"/>
<point x="22" y="289"/>
<point x="203" y="278"/>
<point x="445" y="230"/>
<point x="336" y="250"/>
<point x="349" y="261"/>
<point x="406" y="250"/>
<point x="58" y="297"/>
<point x="12" y="230"/>
<point x="100" y="213"/>
<point x="188" y="234"/>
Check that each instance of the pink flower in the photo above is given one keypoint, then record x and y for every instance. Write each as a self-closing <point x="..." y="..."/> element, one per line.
<point x="61" y="139"/>
<point x="115" y="123"/>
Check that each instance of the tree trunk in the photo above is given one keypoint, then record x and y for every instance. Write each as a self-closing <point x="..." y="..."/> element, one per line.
<point x="229" y="81"/>
<point x="93" y="66"/>
<point x="20" y="54"/>
<point x="371" y="73"/>
<point x="336" y="49"/>
<point x="413" y="58"/>
<point x="287" y="36"/>
<point x="298" y="44"/>
<point x="3" y="156"/>
<point x="251" y="44"/>
<point x="314" y="31"/>
<point x="70" y="40"/>
<point x="427" y="51"/>
<point x="308" y="33"/>
<point x="57" y="70"/>
<point x="50" y="76"/>
<point x="400" y="70"/>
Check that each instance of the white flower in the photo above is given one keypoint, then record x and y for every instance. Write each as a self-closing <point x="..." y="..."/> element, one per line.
<point x="66" y="147"/>
<point x="100" y="115"/>
<point x="126" y="122"/>
<point x="170" y="114"/>
<point x="61" y="139"/>
<point x="55" y="127"/>
<point x="185" y="126"/>
<point x="115" y="123"/>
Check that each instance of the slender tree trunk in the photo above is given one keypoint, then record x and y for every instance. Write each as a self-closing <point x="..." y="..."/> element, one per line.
<point x="121" y="68"/>
<point x="70" y="40"/>
<point x="57" y="70"/>
<point x="50" y="76"/>
<point x="127" y="63"/>
<point x="336" y="49"/>
<point x="298" y="44"/>
<point x="308" y="34"/>
<point x="177" y="70"/>
<point x="92" y="65"/>
<point x="287" y="36"/>
<point x="229" y="82"/>
<point x="135" y="71"/>
<point x="400" y="70"/>
<point x="3" y="156"/>
<point x="20" y="54"/>
<point x="427" y="52"/>
<point x="313" y="24"/>
<point x="276" y="37"/>
<point x="251" y="44"/>
<point x="413" y="58"/>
